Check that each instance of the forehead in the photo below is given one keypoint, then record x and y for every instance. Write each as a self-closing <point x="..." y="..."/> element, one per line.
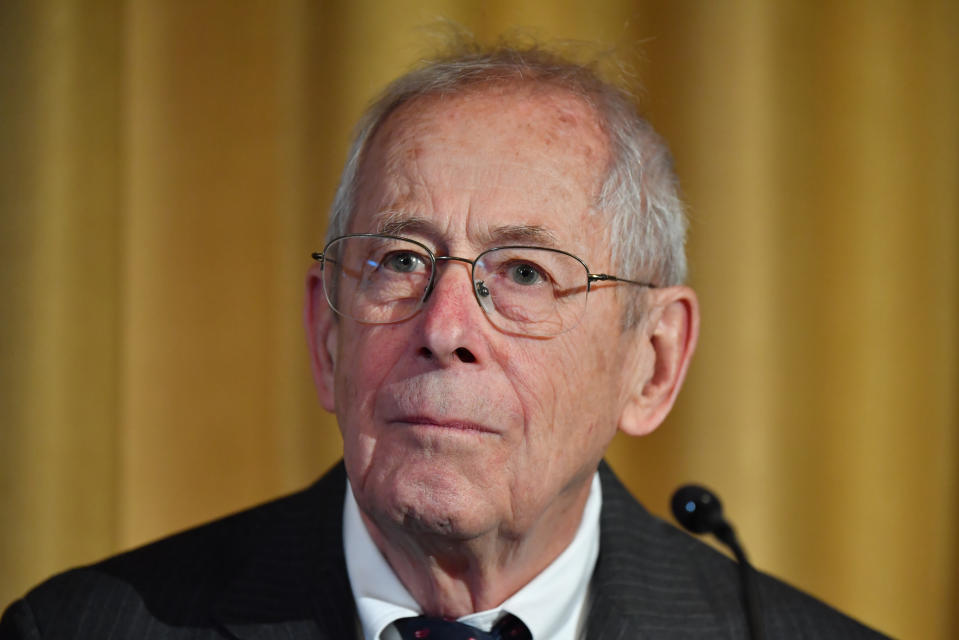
<point x="503" y="156"/>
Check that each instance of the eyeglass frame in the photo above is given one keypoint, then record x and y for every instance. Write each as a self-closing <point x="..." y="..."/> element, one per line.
<point x="320" y="256"/>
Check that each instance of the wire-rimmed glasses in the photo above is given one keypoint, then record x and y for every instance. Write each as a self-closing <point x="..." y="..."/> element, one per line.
<point x="524" y="290"/>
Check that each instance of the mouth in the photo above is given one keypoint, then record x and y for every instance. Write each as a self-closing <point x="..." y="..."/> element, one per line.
<point x="445" y="424"/>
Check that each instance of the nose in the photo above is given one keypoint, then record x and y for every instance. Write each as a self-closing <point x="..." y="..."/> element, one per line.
<point x="451" y="326"/>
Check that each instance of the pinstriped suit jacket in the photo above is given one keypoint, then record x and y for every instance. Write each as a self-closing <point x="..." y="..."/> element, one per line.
<point x="277" y="572"/>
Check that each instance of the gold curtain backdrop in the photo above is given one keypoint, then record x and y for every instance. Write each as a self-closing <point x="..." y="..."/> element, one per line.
<point x="166" y="168"/>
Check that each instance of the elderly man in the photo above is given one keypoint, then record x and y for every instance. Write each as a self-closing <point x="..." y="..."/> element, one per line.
<point x="500" y="293"/>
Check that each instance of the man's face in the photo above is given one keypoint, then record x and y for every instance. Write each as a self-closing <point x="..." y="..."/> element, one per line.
<point x="449" y="425"/>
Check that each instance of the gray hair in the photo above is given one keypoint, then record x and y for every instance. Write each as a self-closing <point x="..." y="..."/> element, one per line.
<point x="647" y="226"/>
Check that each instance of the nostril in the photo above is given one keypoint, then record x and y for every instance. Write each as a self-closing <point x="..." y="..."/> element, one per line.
<point x="465" y="355"/>
<point x="426" y="353"/>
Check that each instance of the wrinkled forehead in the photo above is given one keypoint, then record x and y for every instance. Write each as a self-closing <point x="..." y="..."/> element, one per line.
<point x="542" y="144"/>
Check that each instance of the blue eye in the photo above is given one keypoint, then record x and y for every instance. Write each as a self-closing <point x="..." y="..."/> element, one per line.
<point x="402" y="261"/>
<point x="525" y="273"/>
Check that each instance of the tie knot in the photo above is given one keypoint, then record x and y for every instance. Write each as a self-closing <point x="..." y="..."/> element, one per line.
<point x="509" y="627"/>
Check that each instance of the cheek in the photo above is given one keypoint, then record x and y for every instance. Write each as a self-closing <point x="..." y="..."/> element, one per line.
<point x="586" y="377"/>
<point x="553" y="383"/>
<point x="365" y="358"/>
<point x="366" y="355"/>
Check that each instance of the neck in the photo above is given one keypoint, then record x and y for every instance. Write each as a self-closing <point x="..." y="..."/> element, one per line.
<point x="453" y="577"/>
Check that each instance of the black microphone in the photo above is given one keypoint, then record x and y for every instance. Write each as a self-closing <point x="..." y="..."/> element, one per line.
<point x="699" y="511"/>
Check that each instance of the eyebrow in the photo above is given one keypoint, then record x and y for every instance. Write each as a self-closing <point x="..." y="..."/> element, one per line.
<point x="396" y="223"/>
<point x="523" y="234"/>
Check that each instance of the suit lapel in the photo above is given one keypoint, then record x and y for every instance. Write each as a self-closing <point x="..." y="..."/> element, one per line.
<point x="611" y="614"/>
<point x="644" y="586"/>
<point x="295" y="584"/>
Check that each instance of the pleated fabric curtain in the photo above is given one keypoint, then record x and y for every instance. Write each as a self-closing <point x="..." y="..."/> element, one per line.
<point x="166" y="168"/>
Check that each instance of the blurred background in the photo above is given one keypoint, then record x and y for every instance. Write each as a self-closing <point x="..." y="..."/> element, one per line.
<point x="165" y="172"/>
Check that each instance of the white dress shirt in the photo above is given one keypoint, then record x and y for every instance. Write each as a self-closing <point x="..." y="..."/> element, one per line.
<point x="552" y="605"/>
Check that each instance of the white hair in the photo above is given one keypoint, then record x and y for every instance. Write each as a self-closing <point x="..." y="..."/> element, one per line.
<point x="647" y="222"/>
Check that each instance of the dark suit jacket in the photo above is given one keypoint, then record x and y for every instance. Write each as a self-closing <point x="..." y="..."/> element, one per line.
<point x="277" y="571"/>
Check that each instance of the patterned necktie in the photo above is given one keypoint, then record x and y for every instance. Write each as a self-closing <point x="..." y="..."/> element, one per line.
<point x="509" y="627"/>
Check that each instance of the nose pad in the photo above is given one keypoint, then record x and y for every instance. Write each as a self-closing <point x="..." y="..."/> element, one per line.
<point x="483" y="295"/>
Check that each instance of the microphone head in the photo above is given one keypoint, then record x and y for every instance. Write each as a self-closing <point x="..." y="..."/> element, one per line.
<point x="697" y="509"/>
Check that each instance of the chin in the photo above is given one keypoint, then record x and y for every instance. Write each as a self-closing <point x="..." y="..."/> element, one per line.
<point x="442" y="504"/>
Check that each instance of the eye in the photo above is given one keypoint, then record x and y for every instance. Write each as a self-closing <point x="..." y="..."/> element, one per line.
<point x="403" y="261"/>
<point x="525" y="273"/>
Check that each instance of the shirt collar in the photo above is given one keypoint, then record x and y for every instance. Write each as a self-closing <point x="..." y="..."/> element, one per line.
<point x="544" y="604"/>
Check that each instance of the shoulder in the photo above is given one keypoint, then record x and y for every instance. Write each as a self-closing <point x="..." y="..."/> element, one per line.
<point x="180" y="580"/>
<point x="659" y="575"/>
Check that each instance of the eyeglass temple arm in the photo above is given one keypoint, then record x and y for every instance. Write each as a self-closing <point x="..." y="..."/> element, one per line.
<point x="598" y="277"/>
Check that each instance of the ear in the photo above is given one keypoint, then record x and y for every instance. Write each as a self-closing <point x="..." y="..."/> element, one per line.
<point x="321" y="335"/>
<point x="666" y="340"/>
